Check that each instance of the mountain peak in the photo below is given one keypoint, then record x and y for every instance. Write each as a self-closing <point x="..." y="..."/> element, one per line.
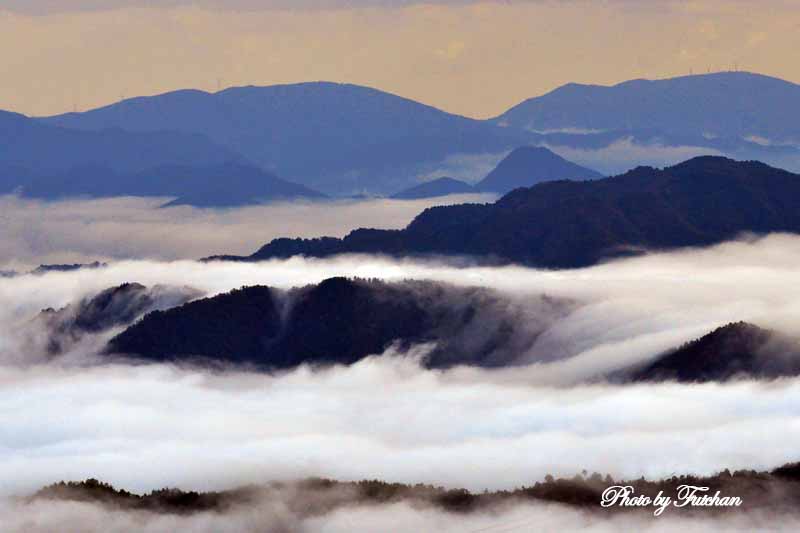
<point x="733" y="350"/>
<point x="528" y="165"/>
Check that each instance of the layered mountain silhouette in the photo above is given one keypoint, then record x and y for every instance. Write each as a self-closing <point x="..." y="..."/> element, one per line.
<point x="529" y="165"/>
<point x="43" y="161"/>
<point x="564" y="224"/>
<point x="722" y="104"/>
<point x="435" y="188"/>
<point x="344" y="139"/>
<point x="332" y="137"/>
<point x="523" y="167"/>
<point x="340" y="321"/>
<point x="224" y="185"/>
<point x="738" y="350"/>
<point x="30" y="148"/>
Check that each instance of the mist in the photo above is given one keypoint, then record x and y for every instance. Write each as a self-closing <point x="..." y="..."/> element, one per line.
<point x="627" y="311"/>
<point x="147" y="426"/>
<point x="625" y="154"/>
<point x="272" y="515"/>
<point x="84" y="230"/>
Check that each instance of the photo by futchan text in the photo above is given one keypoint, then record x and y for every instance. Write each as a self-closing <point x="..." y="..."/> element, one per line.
<point x="687" y="496"/>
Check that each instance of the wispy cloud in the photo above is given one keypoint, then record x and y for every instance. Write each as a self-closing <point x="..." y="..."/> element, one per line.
<point x="38" y="232"/>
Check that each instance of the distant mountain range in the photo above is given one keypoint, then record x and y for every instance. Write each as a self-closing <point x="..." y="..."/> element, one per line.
<point x="343" y="140"/>
<point x="524" y="167"/>
<point x="220" y="185"/>
<point x="332" y="137"/>
<point x="39" y="160"/>
<point x="42" y="149"/>
<point x="564" y="224"/>
<point x="723" y="104"/>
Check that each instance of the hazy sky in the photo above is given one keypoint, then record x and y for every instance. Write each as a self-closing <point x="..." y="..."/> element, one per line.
<point x="473" y="58"/>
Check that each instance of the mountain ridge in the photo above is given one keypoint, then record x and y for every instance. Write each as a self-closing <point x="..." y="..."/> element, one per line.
<point x="568" y="224"/>
<point x="362" y="138"/>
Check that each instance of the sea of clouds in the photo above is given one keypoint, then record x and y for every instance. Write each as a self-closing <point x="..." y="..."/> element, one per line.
<point x="143" y="427"/>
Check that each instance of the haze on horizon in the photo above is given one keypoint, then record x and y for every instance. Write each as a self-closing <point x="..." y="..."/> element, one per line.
<point x="475" y="58"/>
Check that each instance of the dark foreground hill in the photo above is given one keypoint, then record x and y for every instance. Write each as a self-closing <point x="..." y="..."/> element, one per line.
<point x="564" y="224"/>
<point x="735" y="350"/>
<point x="341" y="321"/>
<point x="776" y="490"/>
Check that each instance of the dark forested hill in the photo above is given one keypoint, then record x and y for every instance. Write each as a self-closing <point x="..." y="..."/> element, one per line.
<point x="564" y="224"/>
<point x="735" y="350"/>
<point x="763" y="492"/>
<point x="339" y="321"/>
<point x="114" y="307"/>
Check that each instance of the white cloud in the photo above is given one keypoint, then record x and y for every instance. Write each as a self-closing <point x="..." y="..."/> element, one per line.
<point x="271" y="514"/>
<point x="625" y="153"/>
<point x="38" y="232"/>
<point x="142" y="427"/>
<point x="149" y="426"/>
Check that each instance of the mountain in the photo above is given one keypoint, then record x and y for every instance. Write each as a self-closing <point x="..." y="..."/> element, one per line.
<point x="529" y="165"/>
<point x="435" y="188"/>
<point x="336" y="138"/>
<point x="111" y="308"/>
<point x="232" y="185"/>
<point x="223" y="185"/>
<point x="44" y="161"/>
<point x="735" y="350"/>
<point x="722" y="104"/>
<point x="563" y="224"/>
<point x="345" y="139"/>
<point x="340" y="321"/>
<point x="30" y="148"/>
<point x="659" y="122"/>
<point x="523" y="167"/>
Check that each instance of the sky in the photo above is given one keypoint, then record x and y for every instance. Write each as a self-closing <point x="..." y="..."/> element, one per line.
<point x="475" y="58"/>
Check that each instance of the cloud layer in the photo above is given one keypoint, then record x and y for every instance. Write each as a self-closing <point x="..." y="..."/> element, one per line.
<point x="141" y="427"/>
<point x="146" y="427"/>
<point x="36" y="232"/>
<point x="271" y="515"/>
